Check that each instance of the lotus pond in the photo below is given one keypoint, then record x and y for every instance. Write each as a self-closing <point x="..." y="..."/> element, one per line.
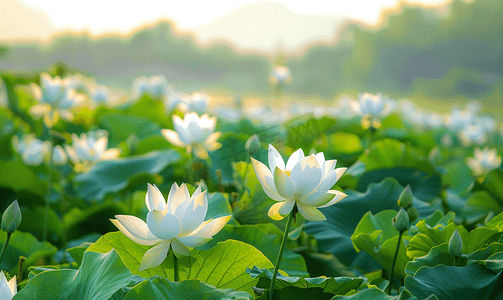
<point x="160" y="195"/>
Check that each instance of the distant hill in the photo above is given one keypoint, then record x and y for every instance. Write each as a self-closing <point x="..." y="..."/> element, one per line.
<point x="415" y="50"/>
<point x="153" y="50"/>
<point x="268" y="25"/>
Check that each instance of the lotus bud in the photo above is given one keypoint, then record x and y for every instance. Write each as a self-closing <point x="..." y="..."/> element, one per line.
<point x="406" y="197"/>
<point x="413" y="214"/>
<point x="401" y="221"/>
<point x="456" y="244"/>
<point x="252" y="145"/>
<point x="11" y="218"/>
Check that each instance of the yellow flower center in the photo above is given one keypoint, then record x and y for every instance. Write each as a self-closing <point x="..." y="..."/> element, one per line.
<point x="288" y="172"/>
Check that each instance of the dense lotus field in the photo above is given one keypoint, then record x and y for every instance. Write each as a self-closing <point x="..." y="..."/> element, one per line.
<point x="160" y="196"/>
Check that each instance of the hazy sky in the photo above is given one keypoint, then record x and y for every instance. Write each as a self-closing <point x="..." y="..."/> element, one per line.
<point x="100" y="16"/>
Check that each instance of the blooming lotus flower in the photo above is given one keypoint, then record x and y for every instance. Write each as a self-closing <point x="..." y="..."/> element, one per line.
<point x="280" y="75"/>
<point x="194" y="133"/>
<point x="32" y="150"/>
<point x="7" y="288"/>
<point x="484" y="161"/>
<point x="55" y="99"/>
<point x="304" y="181"/>
<point x="177" y="223"/>
<point x="89" y="149"/>
<point x="156" y="86"/>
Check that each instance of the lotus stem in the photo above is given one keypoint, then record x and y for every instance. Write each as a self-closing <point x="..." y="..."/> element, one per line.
<point x="20" y="270"/>
<point x="394" y="262"/>
<point x="176" y="270"/>
<point x="48" y="195"/>
<point x="280" y="254"/>
<point x="5" y="246"/>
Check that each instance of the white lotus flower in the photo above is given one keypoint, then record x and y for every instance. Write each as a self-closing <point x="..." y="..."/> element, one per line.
<point x="89" y="149"/>
<point x="7" y="288"/>
<point x="194" y="133"/>
<point x="473" y="134"/>
<point x="303" y="181"/>
<point x="484" y="161"/>
<point x="55" y="99"/>
<point x="280" y="75"/>
<point x="32" y="150"/>
<point x="156" y="86"/>
<point x="177" y="223"/>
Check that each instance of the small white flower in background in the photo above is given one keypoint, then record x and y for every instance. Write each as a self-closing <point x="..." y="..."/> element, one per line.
<point x="100" y="94"/>
<point x="89" y="149"/>
<point x="155" y="86"/>
<point x="59" y="156"/>
<point x="177" y="223"/>
<point x="372" y="108"/>
<point x="228" y="114"/>
<point x="432" y="120"/>
<point x="177" y="100"/>
<point x="473" y="134"/>
<point x="194" y="133"/>
<point x="266" y="116"/>
<point x="55" y="99"/>
<point x="458" y="119"/>
<point x="198" y="102"/>
<point x="7" y="288"/>
<point x="487" y="123"/>
<point x="483" y="161"/>
<point x="32" y="150"/>
<point x="304" y="181"/>
<point x="474" y="107"/>
<point x="280" y="75"/>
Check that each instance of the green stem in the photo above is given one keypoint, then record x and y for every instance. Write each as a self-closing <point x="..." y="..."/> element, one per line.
<point x="175" y="264"/>
<point x="5" y="246"/>
<point x="62" y="204"/>
<point x="280" y="255"/>
<point x="455" y="261"/>
<point x="394" y="262"/>
<point x="49" y="185"/>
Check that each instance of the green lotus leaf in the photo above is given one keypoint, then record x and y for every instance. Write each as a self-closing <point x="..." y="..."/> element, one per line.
<point x="377" y="236"/>
<point x="99" y="277"/>
<point x="331" y="285"/>
<point x="113" y="176"/>
<point x="162" y="288"/>
<point x="269" y="244"/>
<point x="223" y="266"/>
<point x="23" y="244"/>
<point x="448" y="282"/>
